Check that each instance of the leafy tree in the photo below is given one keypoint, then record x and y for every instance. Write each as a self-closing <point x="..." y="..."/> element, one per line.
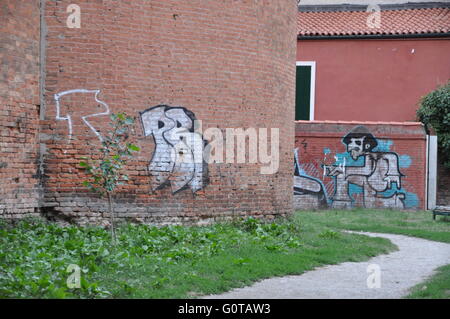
<point x="434" y="112"/>
<point x="106" y="172"/>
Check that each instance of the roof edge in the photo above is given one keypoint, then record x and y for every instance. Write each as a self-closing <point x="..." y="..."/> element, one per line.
<point x="405" y="123"/>
<point x="443" y="35"/>
<point x="362" y="7"/>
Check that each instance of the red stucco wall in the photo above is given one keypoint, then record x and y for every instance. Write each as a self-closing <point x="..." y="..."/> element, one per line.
<point x="374" y="80"/>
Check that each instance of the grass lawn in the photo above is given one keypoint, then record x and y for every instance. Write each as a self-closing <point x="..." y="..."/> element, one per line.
<point x="186" y="262"/>
<point x="416" y="224"/>
<point x="168" y="262"/>
<point x="413" y="223"/>
<point x="437" y="287"/>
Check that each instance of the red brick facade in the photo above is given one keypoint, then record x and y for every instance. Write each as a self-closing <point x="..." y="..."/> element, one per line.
<point x="368" y="164"/>
<point x="19" y="108"/>
<point x="231" y="63"/>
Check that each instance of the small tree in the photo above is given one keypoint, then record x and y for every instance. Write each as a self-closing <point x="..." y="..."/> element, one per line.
<point x="105" y="173"/>
<point x="434" y="111"/>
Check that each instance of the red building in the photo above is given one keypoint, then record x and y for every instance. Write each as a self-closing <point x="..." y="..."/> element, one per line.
<point x="355" y="65"/>
<point x="360" y="75"/>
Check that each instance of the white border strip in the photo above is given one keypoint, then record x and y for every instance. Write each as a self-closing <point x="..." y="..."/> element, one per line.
<point x="312" y="101"/>
<point x="432" y="172"/>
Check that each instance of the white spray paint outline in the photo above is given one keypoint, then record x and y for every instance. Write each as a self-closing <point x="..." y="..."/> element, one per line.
<point x="69" y="119"/>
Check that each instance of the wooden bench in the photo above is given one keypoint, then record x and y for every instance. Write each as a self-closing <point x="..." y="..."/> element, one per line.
<point x="441" y="210"/>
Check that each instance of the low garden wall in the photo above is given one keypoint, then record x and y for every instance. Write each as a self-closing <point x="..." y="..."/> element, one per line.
<point x="360" y="164"/>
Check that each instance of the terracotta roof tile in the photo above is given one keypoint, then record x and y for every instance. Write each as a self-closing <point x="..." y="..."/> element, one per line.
<point x="341" y="23"/>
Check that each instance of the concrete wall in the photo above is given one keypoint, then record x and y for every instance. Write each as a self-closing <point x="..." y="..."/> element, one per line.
<point x="374" y="80"/>
<point x="360" y="164"/>
<point x="231" y="64"/>
<point x="19" y="107"/>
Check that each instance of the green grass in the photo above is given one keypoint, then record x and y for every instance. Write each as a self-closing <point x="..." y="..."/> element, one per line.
<point x="186" y="262"/>
<point x="415" y="223"/>
<point x="437" y="287"/>
<point x="168" y="262"/>
<point x="411" y="223"/>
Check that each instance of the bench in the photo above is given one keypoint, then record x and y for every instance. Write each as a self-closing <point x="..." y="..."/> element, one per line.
<point x="441" y="210"/>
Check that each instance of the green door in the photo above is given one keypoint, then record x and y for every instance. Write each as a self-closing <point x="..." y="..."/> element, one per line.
<point x="303" y="92"/>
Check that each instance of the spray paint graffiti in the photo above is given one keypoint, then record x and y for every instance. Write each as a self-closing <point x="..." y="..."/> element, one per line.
<point x="306" y="186"/>
<point x="68" y="117"/>
<point x="367" y="174"/>
<point x="375" y="172"/>
<point x="178" y="156"/>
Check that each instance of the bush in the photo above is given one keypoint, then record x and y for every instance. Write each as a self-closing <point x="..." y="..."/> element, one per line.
<point x="434" y="112"/>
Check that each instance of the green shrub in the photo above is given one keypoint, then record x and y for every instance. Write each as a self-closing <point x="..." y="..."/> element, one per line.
<point x="434" y="112"/>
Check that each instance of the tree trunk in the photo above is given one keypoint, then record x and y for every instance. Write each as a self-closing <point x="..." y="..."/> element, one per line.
<point x="111" y="214"/>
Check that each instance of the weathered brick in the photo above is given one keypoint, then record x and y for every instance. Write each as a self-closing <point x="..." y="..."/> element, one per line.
<point x="231" y="63"/>
<point x="19" y="97"/>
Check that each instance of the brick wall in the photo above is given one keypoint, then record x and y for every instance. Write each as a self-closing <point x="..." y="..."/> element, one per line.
<point x="229" y="63"/>
<point x="19" y="107"/>
<point x="367" y="164"/>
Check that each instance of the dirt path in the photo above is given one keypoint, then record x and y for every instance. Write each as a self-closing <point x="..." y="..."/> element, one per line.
<point x="413" y="263"/>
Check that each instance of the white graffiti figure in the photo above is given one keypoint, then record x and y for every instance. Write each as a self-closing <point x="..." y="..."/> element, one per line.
<point x="178" y="155"/>
<point x="68" y="118"/>
<point x="379" y="172"/>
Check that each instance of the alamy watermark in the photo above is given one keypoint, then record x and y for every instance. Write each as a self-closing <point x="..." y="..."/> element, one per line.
<point x="74" y="18"/>
<point x="74" y="279"/>
<point x="230" y="145"/>
<point x="374" y="279"/>
<point x="374" y="19"/>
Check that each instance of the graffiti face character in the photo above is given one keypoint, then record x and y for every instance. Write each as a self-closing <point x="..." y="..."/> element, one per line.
<point x="379" y="171"/>
<point x="355" y="147"/>
<point x="359" y="142"/>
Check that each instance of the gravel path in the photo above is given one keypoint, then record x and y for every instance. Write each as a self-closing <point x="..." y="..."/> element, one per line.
<point x="413" y="263"/>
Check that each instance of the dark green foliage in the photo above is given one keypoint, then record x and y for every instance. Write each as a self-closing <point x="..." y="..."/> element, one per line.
<point x="434" y="112"/>
<point x="166" y="262"/>
<point x="34" y="255"/>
